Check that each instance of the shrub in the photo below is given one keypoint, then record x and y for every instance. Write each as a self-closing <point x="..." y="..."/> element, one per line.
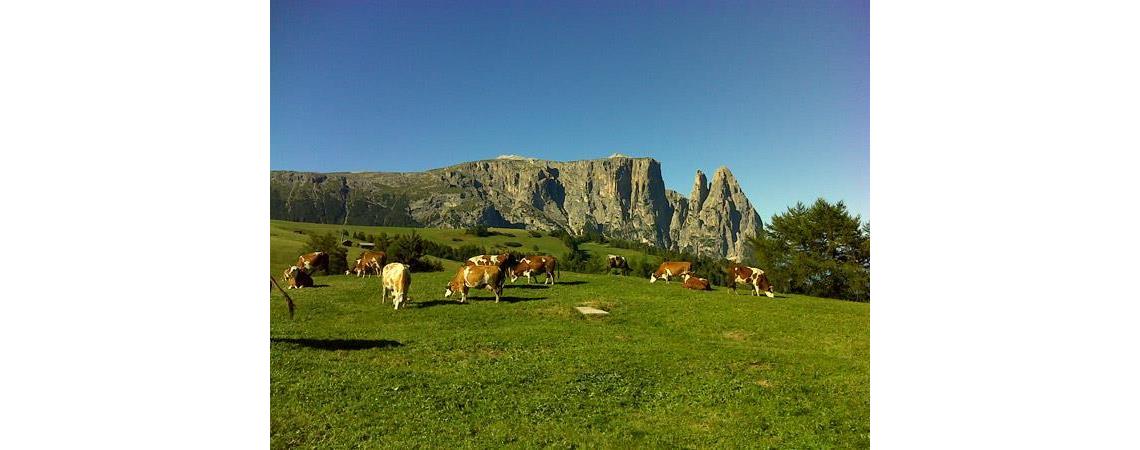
<point x="410" y="249"/>
<point x="534" y="234"/>
<point x="456" y="240"/>
<point x="478" y="230"/>
<point x="513" y="244"/>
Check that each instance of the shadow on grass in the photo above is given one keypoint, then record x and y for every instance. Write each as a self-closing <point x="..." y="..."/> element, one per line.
<point x="572" y="283"/>
<point x="470" y="299"/>
<point x="430" y="303"/>
<point x="337" y="344"/>
<point x="527" y="286"/>
<point x="514" y="299"/>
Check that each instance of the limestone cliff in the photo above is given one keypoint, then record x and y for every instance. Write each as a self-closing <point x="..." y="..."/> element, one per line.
<point x="620" y="197"/>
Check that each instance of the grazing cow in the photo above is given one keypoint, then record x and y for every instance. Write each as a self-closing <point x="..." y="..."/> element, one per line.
<point x="694" y="282"/>
<point x="503" y="261"/>
<point x="475" y="276"/>
<point x="357" y="268"/>
<point x="670" y="269"/>
<point x="530" y="265"/>
<point x="297" y="278"/>
<point x="619" y="263"/>
<point x="396" y="278"/>
<point x="370" y="262"/>
<point x="313" y="261"/>
<point x="751" y="276"/>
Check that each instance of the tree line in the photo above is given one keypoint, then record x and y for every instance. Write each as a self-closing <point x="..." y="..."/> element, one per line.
<point x="819" y="250"/>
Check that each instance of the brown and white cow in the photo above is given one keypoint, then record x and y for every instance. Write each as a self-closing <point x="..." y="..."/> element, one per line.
<point x="503" y="261"/>
<point x="396" y="278"/>
<point x="313" y="261"/>
<point x="368" y="263"/>
<point x="529" y="266"/>
<point x="694" y="282"/>
<point x="475" y="276"/>
<point x="670" y="269"/>
<point x="618" y="262"/>
<point x="297" y="277"/>
<point x="750" y="276"/>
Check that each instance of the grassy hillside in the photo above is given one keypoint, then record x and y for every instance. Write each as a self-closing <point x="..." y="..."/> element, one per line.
<point x="667" y="367"/>
<point x="286" y="243"/>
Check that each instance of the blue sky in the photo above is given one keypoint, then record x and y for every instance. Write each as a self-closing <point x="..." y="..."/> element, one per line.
<point x="776" y="91"/>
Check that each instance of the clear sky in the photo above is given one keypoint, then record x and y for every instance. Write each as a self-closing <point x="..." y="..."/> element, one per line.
<point x="778" y="91"/>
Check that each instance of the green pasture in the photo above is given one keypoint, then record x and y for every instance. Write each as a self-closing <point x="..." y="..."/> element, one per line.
<point x="668" y="367"/>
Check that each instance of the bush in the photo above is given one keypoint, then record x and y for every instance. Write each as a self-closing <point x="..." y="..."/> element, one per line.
<point x="534" y="234"/>
<point x="329" y="243"/>
<point x="410" y="249"/>
<point x="456" y="240"/>
<point x="478" y="230"/>
<point x="513" y="244"/>
<point x="640" y="267"/>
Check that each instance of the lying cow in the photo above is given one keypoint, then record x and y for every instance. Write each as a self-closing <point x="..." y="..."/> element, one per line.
<point x="502" y="261"/>
<point x="396" y="278"/>
<point x="750" y="276"/>
<point x="296" y="277"/>
<point x="670" y="269"/>
<point x="313" y="261"/>
<point x="368" y="263"/>
<point x="694" y="282"/>
<point x="618" y="262"/>
<point x="475" y="276"/>
<point x="530" y="266"/>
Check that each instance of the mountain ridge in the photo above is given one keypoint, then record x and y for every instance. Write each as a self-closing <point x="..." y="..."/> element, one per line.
<point x="619" y="197"/>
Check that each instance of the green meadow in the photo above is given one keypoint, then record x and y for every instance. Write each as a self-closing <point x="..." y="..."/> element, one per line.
<point x="668" y="367"/>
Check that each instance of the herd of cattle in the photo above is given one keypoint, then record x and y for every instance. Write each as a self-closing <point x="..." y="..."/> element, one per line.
<point x="490" y="271"/>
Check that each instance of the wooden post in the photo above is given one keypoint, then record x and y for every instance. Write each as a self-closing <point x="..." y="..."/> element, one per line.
<point x="288" y="301"/>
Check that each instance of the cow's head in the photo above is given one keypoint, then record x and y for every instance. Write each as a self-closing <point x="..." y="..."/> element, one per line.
<point x="653" y="277"/>
<point x="451" y="288"/>
<point x="289" y="273"/>
<point x="764" y="285"/>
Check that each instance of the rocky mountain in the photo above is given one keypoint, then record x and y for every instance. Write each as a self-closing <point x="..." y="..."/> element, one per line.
<point x="619" y="197"/>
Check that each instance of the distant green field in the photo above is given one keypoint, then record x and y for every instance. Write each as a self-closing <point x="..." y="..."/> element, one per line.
<point x="286" y="244"/>
<point x="667" y="367"/>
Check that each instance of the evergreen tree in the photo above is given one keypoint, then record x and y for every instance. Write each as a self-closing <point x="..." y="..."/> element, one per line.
<point x="820" y="250"/>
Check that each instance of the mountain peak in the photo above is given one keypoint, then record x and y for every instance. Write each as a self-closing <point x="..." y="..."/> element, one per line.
<point x="620" y="197"/>
<point x="700" y="190"/>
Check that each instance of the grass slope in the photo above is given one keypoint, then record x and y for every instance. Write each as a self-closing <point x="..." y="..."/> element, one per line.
<point x="286" y="243"/>
<point x="667" y="367"/>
